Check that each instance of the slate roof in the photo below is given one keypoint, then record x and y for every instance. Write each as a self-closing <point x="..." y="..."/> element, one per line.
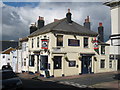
<point x="7" y="44"/>
<point x="62" y="26"/>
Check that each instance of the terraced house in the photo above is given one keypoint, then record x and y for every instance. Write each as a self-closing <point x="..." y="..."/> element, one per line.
<point x="64" y="48"/>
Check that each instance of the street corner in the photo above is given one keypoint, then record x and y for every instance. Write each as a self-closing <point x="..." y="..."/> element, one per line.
<point x="114" y="85"/>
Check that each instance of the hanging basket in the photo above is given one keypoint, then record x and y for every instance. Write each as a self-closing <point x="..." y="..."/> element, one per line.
<point x="80" y="58"/>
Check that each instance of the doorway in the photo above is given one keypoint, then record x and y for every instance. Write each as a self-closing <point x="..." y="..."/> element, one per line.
<point x="44" y="63"/>
<point x="86" y="64"/>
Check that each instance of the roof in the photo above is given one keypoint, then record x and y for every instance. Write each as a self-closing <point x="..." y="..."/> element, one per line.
<point x="112" y="3"/>
<point x="103" y="43"/>
<point x="7" y="51"/>
<point x="7" y="44"/>
<point x="62" y="26"/>
<point x="23" y="39"/>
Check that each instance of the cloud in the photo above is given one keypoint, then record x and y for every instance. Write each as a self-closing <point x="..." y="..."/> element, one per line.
<point x="16" y="20"/>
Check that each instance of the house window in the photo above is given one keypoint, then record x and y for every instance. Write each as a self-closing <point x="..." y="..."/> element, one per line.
<point x="32" y="43"/>
<point x="3" y="56"/>
<point x="102" y="63"/>
<point x="44" y="62"/>
<point x="110" y="64"/>
<point x="38" y="42"/>
<point x="32" y="60"/>
<point x="57" y="62"/>
<point x="24" y="61"/>
<point x="59" y="40"/>
<point x="103" y="50"/>
<point x="85" y="42"/>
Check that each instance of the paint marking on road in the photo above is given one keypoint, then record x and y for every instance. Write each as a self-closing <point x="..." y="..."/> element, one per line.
<point x="73" y="84"/>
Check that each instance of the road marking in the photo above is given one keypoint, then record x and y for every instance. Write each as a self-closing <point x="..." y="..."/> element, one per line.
<point x="73" y="84"/>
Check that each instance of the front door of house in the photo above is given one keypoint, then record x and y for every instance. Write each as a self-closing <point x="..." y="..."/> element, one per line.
<point x="86" y="64"/>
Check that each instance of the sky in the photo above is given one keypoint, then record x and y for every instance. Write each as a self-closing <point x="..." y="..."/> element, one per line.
<point x="17" y="16"/>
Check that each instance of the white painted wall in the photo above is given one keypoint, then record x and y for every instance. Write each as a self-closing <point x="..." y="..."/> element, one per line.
<point x="4" y="59"/>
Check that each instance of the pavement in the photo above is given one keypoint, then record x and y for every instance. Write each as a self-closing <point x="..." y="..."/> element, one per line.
<point x="87" y="80"/>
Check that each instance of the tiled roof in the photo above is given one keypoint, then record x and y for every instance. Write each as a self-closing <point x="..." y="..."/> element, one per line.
<point x="62" y="26"/>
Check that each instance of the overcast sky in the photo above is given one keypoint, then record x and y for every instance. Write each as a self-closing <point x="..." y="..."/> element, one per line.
<point x="17" y="16"/>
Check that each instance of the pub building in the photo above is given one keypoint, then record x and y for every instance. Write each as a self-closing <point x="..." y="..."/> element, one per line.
<point x="65" y="48"/>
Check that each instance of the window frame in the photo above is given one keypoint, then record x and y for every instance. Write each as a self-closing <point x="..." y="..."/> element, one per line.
<point x="57" y="61"/>
<point x="84" y="42"/>
<point x="32" y="61"/>
<point x="59" y="43"/>
<point x="102" y="63"/>
<point x="38" y="42"/>
<point x="102" y="48"/>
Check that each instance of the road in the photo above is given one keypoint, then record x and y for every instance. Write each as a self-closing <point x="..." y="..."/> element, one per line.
<point x="82" y="82"/>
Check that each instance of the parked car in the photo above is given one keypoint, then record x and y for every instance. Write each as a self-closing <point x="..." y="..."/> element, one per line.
<point x="6" y="67"/>
<point x="10" y="81"/>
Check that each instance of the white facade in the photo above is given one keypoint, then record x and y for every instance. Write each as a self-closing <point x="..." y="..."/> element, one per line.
<point x="16" y="60"/>
<point x="25" y="56"/>
<point x="115" y="31"/>
<point x="4" y="60"/>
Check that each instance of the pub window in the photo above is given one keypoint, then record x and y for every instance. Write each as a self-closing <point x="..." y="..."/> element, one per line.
<point x="32" y="43"/>
<point x="102" y="63"/>
<point x="59" y="40"/>
<point x="73" y="42"/>
<point x="57" y="62"/>
<point x="110" y="64"/>
<point x="38" y="41"/>
<point x="32" y="60"/>
<point x="44" y="62"/>
<point x="103" y="50"/>
<point x="85" y="42"/>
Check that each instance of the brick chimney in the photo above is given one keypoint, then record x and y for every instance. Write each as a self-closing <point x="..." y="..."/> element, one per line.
<point x="87" y="23"/>
<point x="40" y="22"/>
<point x="33" y="28"/>
<point x="68" y="16"/>
<point x="101" y="32"/>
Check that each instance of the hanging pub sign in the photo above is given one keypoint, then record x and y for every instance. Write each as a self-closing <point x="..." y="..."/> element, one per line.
<point x="95" y="43"/>
<point x="44" y="43"/>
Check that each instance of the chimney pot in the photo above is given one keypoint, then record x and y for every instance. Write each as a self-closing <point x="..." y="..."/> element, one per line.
<point x="55" y="20"/>
<point x="68" y="10"/>
<point x="100" y="24"/>
<point x="88" y="19"/>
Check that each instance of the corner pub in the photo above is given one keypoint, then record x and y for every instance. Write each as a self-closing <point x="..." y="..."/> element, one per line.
<point x="65" y="48"/>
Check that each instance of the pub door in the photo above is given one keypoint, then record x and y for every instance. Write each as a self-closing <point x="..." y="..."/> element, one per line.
<point x="86" y="64"/>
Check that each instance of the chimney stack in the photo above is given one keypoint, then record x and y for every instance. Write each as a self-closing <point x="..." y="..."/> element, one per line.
<point x="87" y="23"/>
<point x="55" y="20"/>
<point x="33" y="28"/>
<point x="40" y="22"/>
<point x="101" y="32"/>
<point x="68" y="16"/>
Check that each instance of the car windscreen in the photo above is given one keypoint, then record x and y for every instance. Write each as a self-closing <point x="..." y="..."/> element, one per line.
<point x="8" y="75"/>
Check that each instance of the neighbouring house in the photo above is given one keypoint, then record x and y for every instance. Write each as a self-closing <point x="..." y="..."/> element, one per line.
<point x="25" y="54"/>
<point x="16" y="60"/>
<point x="115" y="31"/>
<point x="64" y="48"/>
<point x="5" y="57"/>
